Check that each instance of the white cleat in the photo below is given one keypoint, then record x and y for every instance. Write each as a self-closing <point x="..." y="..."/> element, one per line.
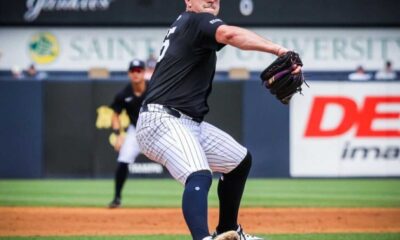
<point x="245" y="236"/>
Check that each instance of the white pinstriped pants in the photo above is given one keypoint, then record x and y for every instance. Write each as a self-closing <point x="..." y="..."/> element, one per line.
<point x="184" y="146"/>
<point x="130" y="148"/>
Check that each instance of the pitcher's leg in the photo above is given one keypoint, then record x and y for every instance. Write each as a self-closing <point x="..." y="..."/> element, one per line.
<point x="226" y="155"/>
<point x="194" y="203"/>
<point x="178" y="148"/>
<point x="230" y="191"/>
<point x="223" y="152"/>
<point x="191" y="169"/>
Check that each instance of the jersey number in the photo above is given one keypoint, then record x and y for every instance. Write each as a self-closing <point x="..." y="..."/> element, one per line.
<point x="165" y="45"/>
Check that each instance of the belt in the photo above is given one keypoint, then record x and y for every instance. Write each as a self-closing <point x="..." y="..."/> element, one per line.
<point x="173" y="112"/>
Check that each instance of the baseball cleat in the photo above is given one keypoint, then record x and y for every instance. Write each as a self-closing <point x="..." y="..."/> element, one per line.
<point x="245" y="236"/>
<point x="116" y="203"/>
<point x="242" y="235"/>
<point x="230" y="235"/>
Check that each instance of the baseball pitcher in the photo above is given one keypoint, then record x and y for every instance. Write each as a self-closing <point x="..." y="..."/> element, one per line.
<point x="171" y="129"/>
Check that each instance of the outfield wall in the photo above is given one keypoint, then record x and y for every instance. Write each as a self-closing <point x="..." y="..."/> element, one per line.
<point x="337" y="129"/>
<point x="21" y="129"/>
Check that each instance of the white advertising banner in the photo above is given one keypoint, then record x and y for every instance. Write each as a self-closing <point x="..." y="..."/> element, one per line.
<point x="345" y="129"/>
<point x="83" y="48"/>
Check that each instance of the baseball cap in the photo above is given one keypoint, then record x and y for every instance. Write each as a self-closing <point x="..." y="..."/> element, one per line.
<point x="136" y="63"/>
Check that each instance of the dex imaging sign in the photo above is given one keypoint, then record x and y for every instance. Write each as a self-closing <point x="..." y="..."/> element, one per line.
<point x="346" y="129"/>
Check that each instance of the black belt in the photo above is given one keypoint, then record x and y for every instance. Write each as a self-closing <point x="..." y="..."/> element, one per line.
<point x="172" y="112"/>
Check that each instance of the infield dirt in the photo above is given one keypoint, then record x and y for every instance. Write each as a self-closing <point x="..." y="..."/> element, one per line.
<point x="26" y="221"/>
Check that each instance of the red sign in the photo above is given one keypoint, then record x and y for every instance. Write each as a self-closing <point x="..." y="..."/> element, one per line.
<point x="361" y="117"/>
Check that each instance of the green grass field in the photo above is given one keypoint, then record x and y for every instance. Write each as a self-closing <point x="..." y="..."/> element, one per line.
<point x="393" y="236"/>
<point x="167" y="193"/>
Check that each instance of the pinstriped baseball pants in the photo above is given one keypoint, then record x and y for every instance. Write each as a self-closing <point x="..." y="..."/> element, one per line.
<point x="184" y="146"/>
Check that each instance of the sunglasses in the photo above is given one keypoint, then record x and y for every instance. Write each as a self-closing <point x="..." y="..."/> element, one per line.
<point x="138" y="70"/>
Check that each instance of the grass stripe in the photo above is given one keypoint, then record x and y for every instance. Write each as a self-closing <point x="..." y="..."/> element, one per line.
<point x="167" y="193"/>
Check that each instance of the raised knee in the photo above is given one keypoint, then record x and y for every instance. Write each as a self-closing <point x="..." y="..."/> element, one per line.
<point x="203" y="176"/>
<point x="247" y="161"/>
<point x="243" y="168"/>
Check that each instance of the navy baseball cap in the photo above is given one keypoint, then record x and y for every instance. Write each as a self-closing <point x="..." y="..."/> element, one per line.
<point x="136" y="63"/>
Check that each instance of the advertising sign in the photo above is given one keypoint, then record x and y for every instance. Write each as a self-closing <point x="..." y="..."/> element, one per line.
<point x="341" y="129"/>
<point x="80" y="49"/>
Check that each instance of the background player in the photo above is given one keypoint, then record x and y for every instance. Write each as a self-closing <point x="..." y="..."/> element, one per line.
<point x="129" y="98"/>
<point x="171" y="129"/>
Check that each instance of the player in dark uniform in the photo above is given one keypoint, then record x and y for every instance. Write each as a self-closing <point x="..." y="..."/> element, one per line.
<point x="171" y="130"/>
<point x="130" y="98"/>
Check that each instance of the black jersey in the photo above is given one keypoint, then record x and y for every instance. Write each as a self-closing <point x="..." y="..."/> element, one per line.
<point x="126" y="99"/>
<point x="186" y="66"/>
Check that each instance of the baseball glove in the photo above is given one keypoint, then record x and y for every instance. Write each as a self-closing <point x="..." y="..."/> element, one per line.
<point x="278" y="77"/>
